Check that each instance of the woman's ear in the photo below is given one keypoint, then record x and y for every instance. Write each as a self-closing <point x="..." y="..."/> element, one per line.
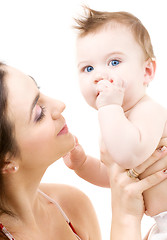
<point x="149" y="71"/>
<point x="10" y="166"/>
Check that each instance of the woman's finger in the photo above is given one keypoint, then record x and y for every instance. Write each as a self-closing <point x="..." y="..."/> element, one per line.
<point x="163" y="142"/>
<point x="151" y="181"/>
<point x="159" y="154"/>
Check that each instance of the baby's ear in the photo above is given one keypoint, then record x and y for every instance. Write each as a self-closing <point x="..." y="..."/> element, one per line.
<point x="149" y="71"/>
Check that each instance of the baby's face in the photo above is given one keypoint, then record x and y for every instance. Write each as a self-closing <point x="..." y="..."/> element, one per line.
<point x="109" y="54"/>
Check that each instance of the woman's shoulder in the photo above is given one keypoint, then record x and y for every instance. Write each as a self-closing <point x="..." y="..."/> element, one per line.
<point x="77" y="207"/>
<point x="63" y="192"/>
<point x="72" y="200"/>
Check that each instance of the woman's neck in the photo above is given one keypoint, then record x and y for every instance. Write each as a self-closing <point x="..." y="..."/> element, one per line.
<point x="21" y="197"/>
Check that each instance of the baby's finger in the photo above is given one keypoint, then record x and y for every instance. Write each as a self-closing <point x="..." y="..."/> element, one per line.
<point x="119" y="82"/>
<point x="76" y="140"/>
<point x="67" y="160"/>
<point x="103" y="84"/>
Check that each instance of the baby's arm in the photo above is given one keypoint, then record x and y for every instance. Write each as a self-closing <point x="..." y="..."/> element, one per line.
<point x="87" y="167"/>
<point x="129" y="140"/>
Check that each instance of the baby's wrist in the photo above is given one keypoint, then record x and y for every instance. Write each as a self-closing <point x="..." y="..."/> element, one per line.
<point x="110" y="106"/>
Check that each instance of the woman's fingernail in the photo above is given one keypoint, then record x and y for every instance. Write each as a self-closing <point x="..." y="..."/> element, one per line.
<point x="161" y="149"/>
<point x="165" y="171"/>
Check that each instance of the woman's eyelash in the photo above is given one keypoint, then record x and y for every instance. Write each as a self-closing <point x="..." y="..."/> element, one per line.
<point x="42" y="114"/>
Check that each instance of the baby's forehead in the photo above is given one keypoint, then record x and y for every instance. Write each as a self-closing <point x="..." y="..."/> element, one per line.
<point x="108" y="24"/>
<point x="111" y="25"/>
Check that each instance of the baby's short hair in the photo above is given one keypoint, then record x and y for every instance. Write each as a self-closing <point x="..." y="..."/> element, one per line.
<point x="92" y="21"/>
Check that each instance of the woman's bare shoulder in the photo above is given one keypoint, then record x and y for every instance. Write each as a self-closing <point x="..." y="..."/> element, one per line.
<point x="70" y="198"/>
<point x="77" y="207"/>
<point x="60" y="192"/>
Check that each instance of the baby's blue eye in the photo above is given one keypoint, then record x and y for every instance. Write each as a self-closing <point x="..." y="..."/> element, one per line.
<point x="114" y="62"/>
<point x="89" y="69"/>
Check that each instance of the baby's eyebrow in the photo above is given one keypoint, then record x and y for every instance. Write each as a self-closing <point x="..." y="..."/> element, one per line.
<point x="84" y="63"/>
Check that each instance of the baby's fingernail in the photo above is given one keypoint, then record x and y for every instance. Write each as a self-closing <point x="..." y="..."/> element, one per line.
<point x="165" y="171"/>
<point x="161" y="149"/>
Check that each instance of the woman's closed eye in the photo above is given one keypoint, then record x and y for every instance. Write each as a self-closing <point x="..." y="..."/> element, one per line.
<point x="39" y="113"/>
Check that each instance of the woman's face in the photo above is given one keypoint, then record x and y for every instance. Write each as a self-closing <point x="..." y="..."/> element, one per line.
<point x="40" y="129"/>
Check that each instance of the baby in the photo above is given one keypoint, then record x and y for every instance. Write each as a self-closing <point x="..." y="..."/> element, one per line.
<point x="116" y="63"/>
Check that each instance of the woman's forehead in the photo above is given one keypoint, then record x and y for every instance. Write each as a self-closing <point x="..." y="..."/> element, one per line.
<point x="18" y="81"/>
<point x="21" y="90"/>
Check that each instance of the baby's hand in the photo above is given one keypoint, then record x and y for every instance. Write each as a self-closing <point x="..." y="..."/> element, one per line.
<point x="76" y="158"/>
<point x="110" y="92"/>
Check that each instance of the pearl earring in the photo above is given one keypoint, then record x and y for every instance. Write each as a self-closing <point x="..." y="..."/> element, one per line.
<point x="15" y="168"/>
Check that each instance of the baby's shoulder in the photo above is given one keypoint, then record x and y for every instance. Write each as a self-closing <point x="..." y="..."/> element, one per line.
<point x="148" y="105"/>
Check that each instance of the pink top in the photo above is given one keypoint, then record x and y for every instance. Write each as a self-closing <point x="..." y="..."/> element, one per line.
<point x="9" y="236"/>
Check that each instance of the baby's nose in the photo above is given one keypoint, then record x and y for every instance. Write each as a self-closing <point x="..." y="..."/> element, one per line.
<point x="102" y="75"/>
<point x="100" y="79"/>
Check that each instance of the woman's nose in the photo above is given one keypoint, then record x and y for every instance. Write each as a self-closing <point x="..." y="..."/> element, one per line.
<point x="57" y="109"/>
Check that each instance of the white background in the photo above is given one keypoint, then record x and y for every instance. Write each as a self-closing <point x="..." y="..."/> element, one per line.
<point x="36" y="37"/>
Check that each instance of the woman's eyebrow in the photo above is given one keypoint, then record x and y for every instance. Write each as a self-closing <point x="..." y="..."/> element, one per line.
<point x="34" y="81"/>
<point x="34" y="103"/>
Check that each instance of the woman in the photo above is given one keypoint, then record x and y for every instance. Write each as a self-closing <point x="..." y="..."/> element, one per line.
<point x="33" y="136"/>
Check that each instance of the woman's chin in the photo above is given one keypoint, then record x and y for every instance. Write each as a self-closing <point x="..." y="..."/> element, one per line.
<point x="71" y="144"/>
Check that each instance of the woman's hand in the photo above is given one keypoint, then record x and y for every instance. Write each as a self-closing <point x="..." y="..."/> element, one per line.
<point x="127" y="201"/>
<point x="156" y="162"/>
<point x="127" y="196"/>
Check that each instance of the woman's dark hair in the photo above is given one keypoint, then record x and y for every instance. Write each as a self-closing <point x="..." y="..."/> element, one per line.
<point x="8" y="145"/>
<point x="3" y="237"/>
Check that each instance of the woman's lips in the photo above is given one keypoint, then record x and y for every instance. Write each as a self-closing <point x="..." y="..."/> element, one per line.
<point x="64" y="130"/>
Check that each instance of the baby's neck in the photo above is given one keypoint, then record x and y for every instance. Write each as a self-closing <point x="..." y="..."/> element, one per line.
<point x="128" y="106"/>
